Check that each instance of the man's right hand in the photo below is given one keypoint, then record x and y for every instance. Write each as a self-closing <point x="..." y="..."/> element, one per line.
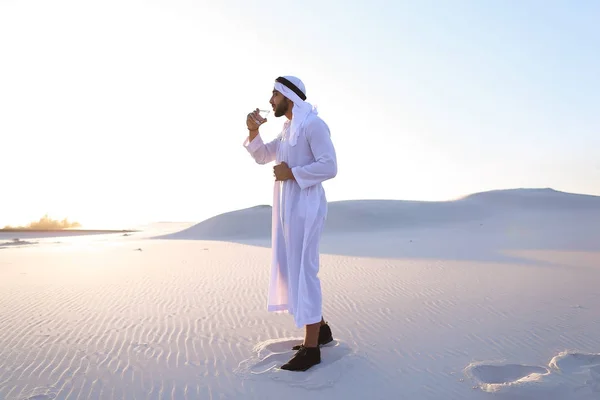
<point x="254" y="120"/>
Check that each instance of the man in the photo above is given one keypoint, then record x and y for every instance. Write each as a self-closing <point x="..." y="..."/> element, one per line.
<point x="305" y="157"/>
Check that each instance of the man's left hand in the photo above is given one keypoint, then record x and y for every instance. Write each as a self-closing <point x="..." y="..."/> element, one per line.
<point x="282" y="172"/>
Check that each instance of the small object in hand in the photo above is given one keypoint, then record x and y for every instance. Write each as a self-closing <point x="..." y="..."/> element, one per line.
<point x="254" y="119"/>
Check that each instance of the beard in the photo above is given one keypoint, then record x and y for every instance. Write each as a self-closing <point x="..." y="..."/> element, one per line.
<point x="282" y="108"/>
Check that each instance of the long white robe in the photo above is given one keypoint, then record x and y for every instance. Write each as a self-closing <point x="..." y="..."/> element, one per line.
<point x="299" y="214"/>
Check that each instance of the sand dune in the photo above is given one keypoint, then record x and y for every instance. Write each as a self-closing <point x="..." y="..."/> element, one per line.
<point x="503" y="208"/>
<point x="464" y="311"/>
<point x="547" y="199"/>
<point x="475" y="227"/>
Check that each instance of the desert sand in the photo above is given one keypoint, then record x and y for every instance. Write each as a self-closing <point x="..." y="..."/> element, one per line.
<point x="494" y="295"/>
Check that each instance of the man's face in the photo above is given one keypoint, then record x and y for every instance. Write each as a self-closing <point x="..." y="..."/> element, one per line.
<point x="280" y="103"/>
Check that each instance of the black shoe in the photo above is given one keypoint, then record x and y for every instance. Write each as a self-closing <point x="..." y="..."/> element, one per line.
<point x="325" y="336"/>
<point x="305" y="358"/>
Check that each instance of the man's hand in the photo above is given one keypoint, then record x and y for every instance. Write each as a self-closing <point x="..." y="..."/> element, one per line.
<point x="282" y="172"/>
<point x="254" y="120"/>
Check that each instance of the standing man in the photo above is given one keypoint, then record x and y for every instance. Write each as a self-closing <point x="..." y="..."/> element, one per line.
<point x="305" y="157"/>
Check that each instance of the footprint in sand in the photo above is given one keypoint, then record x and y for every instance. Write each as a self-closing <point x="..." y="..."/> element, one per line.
<point x="268" y="357"/>
<point x="516" y="381"/>
<point x="568" y="374"/>
<point x="495" y="374"/>
<point x="574" y="362"/>
<point x="579" y="366"/>
<point x="49" y="394"/>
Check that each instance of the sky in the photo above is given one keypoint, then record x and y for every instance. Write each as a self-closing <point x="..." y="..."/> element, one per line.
<point x="120" y="112"/>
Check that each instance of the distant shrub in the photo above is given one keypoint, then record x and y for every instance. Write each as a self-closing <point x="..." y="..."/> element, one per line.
<point x="46" y="223"/>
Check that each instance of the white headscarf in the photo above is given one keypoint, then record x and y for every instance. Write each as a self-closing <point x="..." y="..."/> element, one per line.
<point x="301" y="110"/>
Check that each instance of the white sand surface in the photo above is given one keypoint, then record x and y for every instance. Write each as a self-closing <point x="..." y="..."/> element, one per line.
<point x="492" y="296"/>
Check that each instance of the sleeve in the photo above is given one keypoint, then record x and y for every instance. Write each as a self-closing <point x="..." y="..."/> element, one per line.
<point x="261" y="152"/>
<point x="325" y="165"/>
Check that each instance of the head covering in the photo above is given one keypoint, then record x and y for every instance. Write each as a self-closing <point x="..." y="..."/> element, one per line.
<point x="293" y="88"/>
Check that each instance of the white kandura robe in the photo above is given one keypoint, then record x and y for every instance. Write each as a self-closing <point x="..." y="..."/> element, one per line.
<point x="299" y="213"/>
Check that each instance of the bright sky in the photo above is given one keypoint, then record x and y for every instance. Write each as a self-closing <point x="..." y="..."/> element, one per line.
<point x="118" y="112"/>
